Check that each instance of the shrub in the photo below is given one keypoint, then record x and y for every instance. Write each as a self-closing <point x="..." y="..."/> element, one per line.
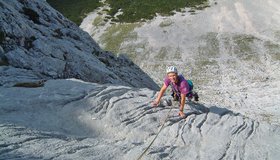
<point x="133" y="10"/>
<point x="74" y="10"/>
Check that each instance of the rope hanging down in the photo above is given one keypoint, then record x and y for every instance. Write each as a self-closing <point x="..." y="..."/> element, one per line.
<point x="161" y="127"/>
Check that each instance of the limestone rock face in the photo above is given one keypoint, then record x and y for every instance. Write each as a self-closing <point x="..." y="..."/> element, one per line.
<point x="39" y="41"/>
<point x="72" y="119"/>
<point x="230" y="50"/>
<point x="50" y="107"/>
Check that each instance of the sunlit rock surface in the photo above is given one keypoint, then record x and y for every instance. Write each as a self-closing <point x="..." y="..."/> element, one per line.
<point x="230" y="50"/>
<point x="72" y="119"/>
<point x="43" y="115"/>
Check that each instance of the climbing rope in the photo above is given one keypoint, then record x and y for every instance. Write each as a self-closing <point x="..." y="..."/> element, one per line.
<point x="161" y="127"/>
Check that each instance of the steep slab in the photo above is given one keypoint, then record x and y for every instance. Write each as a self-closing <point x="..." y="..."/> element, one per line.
<point x="72" y="119"/>
<point x="39" y="41"/>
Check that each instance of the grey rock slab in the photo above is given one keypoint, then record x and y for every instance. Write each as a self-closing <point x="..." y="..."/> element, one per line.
<point x="80" y="120"/>
<point x="40" y="39"/>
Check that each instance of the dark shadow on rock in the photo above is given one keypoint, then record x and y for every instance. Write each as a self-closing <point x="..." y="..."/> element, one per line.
<point x="197" y="108"/>
<point x="191" y="108"/>
<point x="220" y="111"/>
<point x="127" y="70"/>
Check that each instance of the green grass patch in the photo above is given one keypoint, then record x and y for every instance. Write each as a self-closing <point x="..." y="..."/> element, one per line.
<point x="116" y="34"/>
<point x="277" y="35"/>
<point x="178" y="54"/>
<point x="244" y="42"/>
<point x="204" y="69"/>
<point x="210" y="46"/>
<point x="273" y="50"/>
<point x="245" y="47"/>
<point x="162" y="55"/>
<point x="135" y="10"/>
<point x="75" y="10"/>
<point x="98" y="21"/>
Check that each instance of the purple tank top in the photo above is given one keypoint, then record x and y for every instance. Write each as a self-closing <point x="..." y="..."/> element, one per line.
<point x="181" y="87"/>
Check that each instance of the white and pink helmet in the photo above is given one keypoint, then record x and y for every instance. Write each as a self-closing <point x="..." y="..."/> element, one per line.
<point x="171" y="69"/>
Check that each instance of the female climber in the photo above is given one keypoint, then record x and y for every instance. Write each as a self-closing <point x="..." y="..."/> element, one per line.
<point x="181" y="88"/>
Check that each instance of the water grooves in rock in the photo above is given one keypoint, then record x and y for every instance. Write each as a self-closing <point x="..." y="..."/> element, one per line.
<point x="120" y="120"/>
